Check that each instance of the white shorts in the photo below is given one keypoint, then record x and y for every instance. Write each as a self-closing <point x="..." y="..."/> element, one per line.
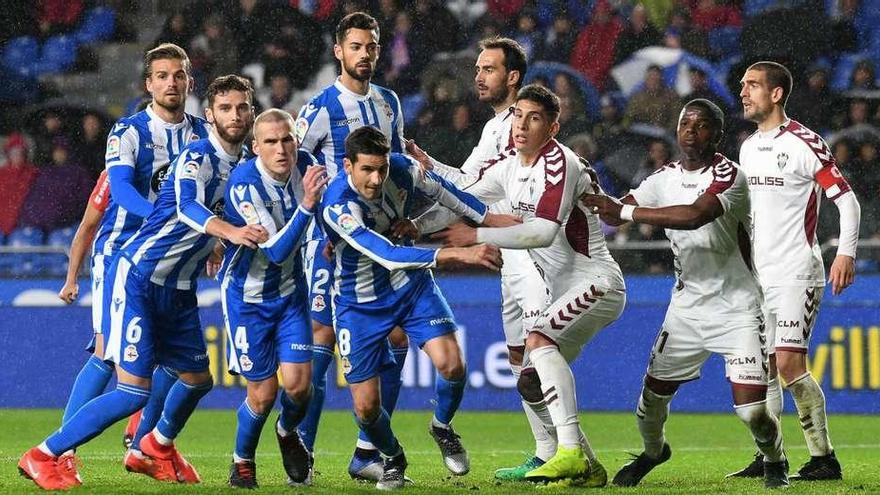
<point x="523" y="296"/>
<point x="574" y="318"/>
<point x="684" y="344"/>
<point x="99" y="268"/>
<point x="791" y="313"/>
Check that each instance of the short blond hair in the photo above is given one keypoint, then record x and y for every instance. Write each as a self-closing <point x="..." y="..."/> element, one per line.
<point x="273" y="115"/>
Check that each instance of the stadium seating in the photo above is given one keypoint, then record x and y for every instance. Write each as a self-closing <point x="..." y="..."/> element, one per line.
<point x="724" y="42"/>
<point x="98" y="25"/>
<point x="22" y="263"/>
<point x="20" y="53"/>
<point x="55" y="264"/>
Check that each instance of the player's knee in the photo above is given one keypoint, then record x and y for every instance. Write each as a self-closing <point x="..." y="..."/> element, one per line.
<point x="323" y="334"/>
<point x="451" y="369"/>
<point x="756" y="416"/>
<point x="298" y="391"/>
<point x="529" y="386"/>
<point x="367" y="409"/>
<point x="398" y="338"/>
<point x="790" y="366"/>
<point x="262" y="402"/>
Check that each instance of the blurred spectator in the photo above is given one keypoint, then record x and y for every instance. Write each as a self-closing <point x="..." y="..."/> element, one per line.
<point x="278" y="94"/>
<point x="700" y="88"/>
<point x="467" y="11"/>
<point x="57" y="16"/>
<point x="559" y="41"/>
<point x="593" y="54"/>
<point x="858" y="112"/>
<point x="813" y="104"/>
<point x="214" y="51"/>
<point x="659" y="155"/>
<point x="16" y="177"/>
<point x="504" y="9"/>
<point x="454" y="142"/>
<point x="638" y="34"/>
<point x="435" y="29"/>
<point x="863" y="77"/>
<point x="296" y="50"/>
<point x="659" y="11"/>
<point x="57" y="197"/>
<point x="585" y="146"/>
<point x="401" y="66"/>
<point x="844" y="37"/>
<point x="708" y="15"/>
<point x="90" y="144"/>
<point x="178" y="29"/>
<point x="608" y="130"/>
<point x="528" y="35"/>
<point x="680" y="33"/>
<point x="253" y="23"/>
<point x="655" y="104"/>
<point x="572" y="118"/>
<point x="52" y="127"/>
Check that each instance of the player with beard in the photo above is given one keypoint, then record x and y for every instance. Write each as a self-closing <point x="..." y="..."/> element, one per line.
<point x="139" y="150"/>
<point x="323" y="124"/>
<point x="500" y="69"/>
<point x="153" y="310"/>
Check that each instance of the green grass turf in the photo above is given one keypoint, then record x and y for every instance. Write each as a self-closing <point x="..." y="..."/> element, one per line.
<point x="704" y="447"/>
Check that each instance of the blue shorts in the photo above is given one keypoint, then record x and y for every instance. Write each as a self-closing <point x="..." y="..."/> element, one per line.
<point x="261" y="335"/>
<point x="152" y="325"/>
<point x="362" y="333"/>
<point x="319" y="275"/>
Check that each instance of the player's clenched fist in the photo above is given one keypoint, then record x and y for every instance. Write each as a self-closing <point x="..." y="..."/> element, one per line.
<point x="314" y="181"/>
<point x="69" y="292"/>
<point x="458" y="235"/>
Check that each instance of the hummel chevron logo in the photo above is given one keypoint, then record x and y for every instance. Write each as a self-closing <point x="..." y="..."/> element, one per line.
<point x="815" y="142"/>
<point x="581" y="304"/>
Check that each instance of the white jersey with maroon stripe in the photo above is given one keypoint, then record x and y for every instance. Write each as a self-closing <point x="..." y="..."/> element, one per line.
<point x="712" y="263"/>
<point x="494" y="139"/>
<point x="786" y="169"/>
<point x="550" y="189"/>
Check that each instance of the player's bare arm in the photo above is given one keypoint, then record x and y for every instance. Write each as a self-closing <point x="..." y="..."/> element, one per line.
<point x="484" y="255"/>
<point x="79" y="247"/>
<point x="682" y="217"/>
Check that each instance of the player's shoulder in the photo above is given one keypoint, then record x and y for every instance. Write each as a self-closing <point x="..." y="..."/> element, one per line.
<point x="199" y="125"/>
<point x="197" y="150"/>
<point x="386" y="93"/>
<point x="806" y="140"/>
<point x="723" y="168"/>
<point x="244" y="172"/>
<point x="338" y="190"/>
<point x="131" y="123"/>
<point x="666" y="170"/>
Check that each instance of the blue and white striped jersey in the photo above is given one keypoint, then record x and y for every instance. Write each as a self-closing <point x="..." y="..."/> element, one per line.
<point x="149" y="145"/>
<point x="325" y="122"/>
<point x="370" y="269"/>
<point x="254" y="197"/>
<point x="171" y="247"/>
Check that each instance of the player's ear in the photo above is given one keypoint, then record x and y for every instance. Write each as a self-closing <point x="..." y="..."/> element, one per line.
<point x="337" y="51"/>
<point x="513" y="78"/>
<point x="209" y="115"/>
<point x="347" y="165"/>
<point x="776" y="95"/>
<point x="554" y="129"/>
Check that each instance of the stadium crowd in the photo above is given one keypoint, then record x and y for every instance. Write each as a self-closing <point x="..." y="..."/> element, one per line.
<point x="574" y="47"/>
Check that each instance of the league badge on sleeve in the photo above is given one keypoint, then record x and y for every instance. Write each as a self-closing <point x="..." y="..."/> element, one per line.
<point x="348" y="223"/>
<point x="301" y="128"/>
<point x="248" y="212"/>
<point x="190" y="170"/>
<point x="112" y="147"/>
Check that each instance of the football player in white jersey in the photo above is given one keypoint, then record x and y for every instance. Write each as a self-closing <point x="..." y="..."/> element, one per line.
<point x="703" y="203"/>
<point x="500" y="69"/>
<point x="788" y="166"/>
<point x="541" y="180"/>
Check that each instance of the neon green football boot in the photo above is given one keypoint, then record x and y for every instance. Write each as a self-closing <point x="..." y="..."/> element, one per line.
<point x="518" y="473"/>
<point x="567" y="463"/>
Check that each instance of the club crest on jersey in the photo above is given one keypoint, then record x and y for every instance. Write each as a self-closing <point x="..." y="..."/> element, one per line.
<point x="248" y="212"/>
<point x="246" y="363"/>
<point x="347" y="223"/>
<point x="113" y="147"/>
<point x="131" y="353"/>
<point x="190" y="170"/>
<point x="318" y="303"/>
<point x="388" y="111"/>
<point x="301" y="128"/>
<point x="782" y="160"/>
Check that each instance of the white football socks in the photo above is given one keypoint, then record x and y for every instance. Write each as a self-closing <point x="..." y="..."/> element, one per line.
<point x="774" y="398"/>
<point x="544" y="433"/>
<point x="810" y="402"/>
<point x="557" y="385"/>
<point x="651" y="414"/>
<point x="764" y="428"/>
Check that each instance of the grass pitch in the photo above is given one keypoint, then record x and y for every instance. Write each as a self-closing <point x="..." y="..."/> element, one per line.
<point x="704" y="449"/>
